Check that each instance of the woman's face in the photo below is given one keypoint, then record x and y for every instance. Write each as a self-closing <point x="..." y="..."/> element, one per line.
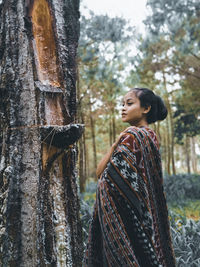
<point x="132" y="112"/>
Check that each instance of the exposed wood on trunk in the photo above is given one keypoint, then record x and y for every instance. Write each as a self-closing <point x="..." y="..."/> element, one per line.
<point x="40" y="223"/>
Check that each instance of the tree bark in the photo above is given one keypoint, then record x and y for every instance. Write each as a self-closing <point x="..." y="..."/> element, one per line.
<point x="81" y="166"/>
<point x="113" y="126"/>
<point x="110" y="132"/>
<point x="171" y="129"/>
<point x="187" y="153"/>
<point x="39" y="211"/>
<point x="168" y="148"/>
<point x="172" y="138"/>
<point x="82" y="159"/>
<point x="165" y="152"/>
<point x="193" y="155"/>
<point x="158" y="132"/>
<point x="92" y="127"/>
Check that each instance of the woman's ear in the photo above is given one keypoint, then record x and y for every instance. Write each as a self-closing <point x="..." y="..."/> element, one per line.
<point x="146" y="109"/>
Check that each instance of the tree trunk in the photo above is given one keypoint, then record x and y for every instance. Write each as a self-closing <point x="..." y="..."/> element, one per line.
<point x="39" y="210"/>
<point x="82" y="160"/>
<point x="172" y="139"/>
<point x="81" y="166"/>
<point x="193" y="155"/>
<point x="165" y="152"/>
<point x="168" y="147"/>
<point x="171" y="129"/>
<point x="113" y="126"/>
<point x="187" y="153"/>
<point x="81" y="143"/>
<point x="92" y="127"/>
<point x="110" y="132"/>
<point x="158" y="132"/>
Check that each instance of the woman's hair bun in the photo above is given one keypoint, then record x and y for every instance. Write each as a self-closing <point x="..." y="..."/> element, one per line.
<point x="161" y="108"/>
<point x="147" y="98"/>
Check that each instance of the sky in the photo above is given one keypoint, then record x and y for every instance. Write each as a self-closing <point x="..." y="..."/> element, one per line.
<point x="133" y="10"/>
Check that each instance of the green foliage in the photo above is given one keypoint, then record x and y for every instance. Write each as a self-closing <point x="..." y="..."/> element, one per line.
<point x="86" y="215"/>
<point x="179" y="23"/>
<point x="186" y="240"/>
<point x="173" y="13"/>
<point x="181" y="187"/>
<point x="188" y="209"/>
<point x="104" y="28"/>
<point x="185" y="124"/>
<point x="87" y="200"/>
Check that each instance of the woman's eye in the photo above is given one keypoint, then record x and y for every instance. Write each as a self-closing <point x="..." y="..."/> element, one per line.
<point x="129" y="103"/>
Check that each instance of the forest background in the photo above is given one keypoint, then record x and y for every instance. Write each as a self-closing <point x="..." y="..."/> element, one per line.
<point x="114" y="57"/>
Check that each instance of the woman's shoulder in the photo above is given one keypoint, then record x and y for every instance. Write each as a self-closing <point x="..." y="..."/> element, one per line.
<point x="142" y="134"/>
<point x="140" y="130"/>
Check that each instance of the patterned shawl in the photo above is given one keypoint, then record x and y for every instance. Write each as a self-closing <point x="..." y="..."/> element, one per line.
<point x="130" y="224"/>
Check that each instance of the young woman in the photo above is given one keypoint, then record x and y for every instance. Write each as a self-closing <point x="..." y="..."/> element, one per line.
<point x="130" y="224"/>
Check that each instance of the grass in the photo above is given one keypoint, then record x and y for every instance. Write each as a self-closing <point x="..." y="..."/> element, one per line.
<point x="189" y="209"/>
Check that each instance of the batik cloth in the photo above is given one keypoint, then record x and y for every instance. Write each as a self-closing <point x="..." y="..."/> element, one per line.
<point x="130" y="225"/>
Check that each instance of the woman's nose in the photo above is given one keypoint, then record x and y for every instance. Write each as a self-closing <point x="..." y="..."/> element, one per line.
<point x="123" y="108"/>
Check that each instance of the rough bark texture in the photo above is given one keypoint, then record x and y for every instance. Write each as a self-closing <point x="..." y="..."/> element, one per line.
<point x="39" y="208"/>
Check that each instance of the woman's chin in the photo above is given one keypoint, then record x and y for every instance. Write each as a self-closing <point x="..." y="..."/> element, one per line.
<point x="124" y="119"/>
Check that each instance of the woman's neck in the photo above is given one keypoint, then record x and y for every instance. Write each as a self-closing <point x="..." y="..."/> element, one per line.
<point x="142" y="123"/>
